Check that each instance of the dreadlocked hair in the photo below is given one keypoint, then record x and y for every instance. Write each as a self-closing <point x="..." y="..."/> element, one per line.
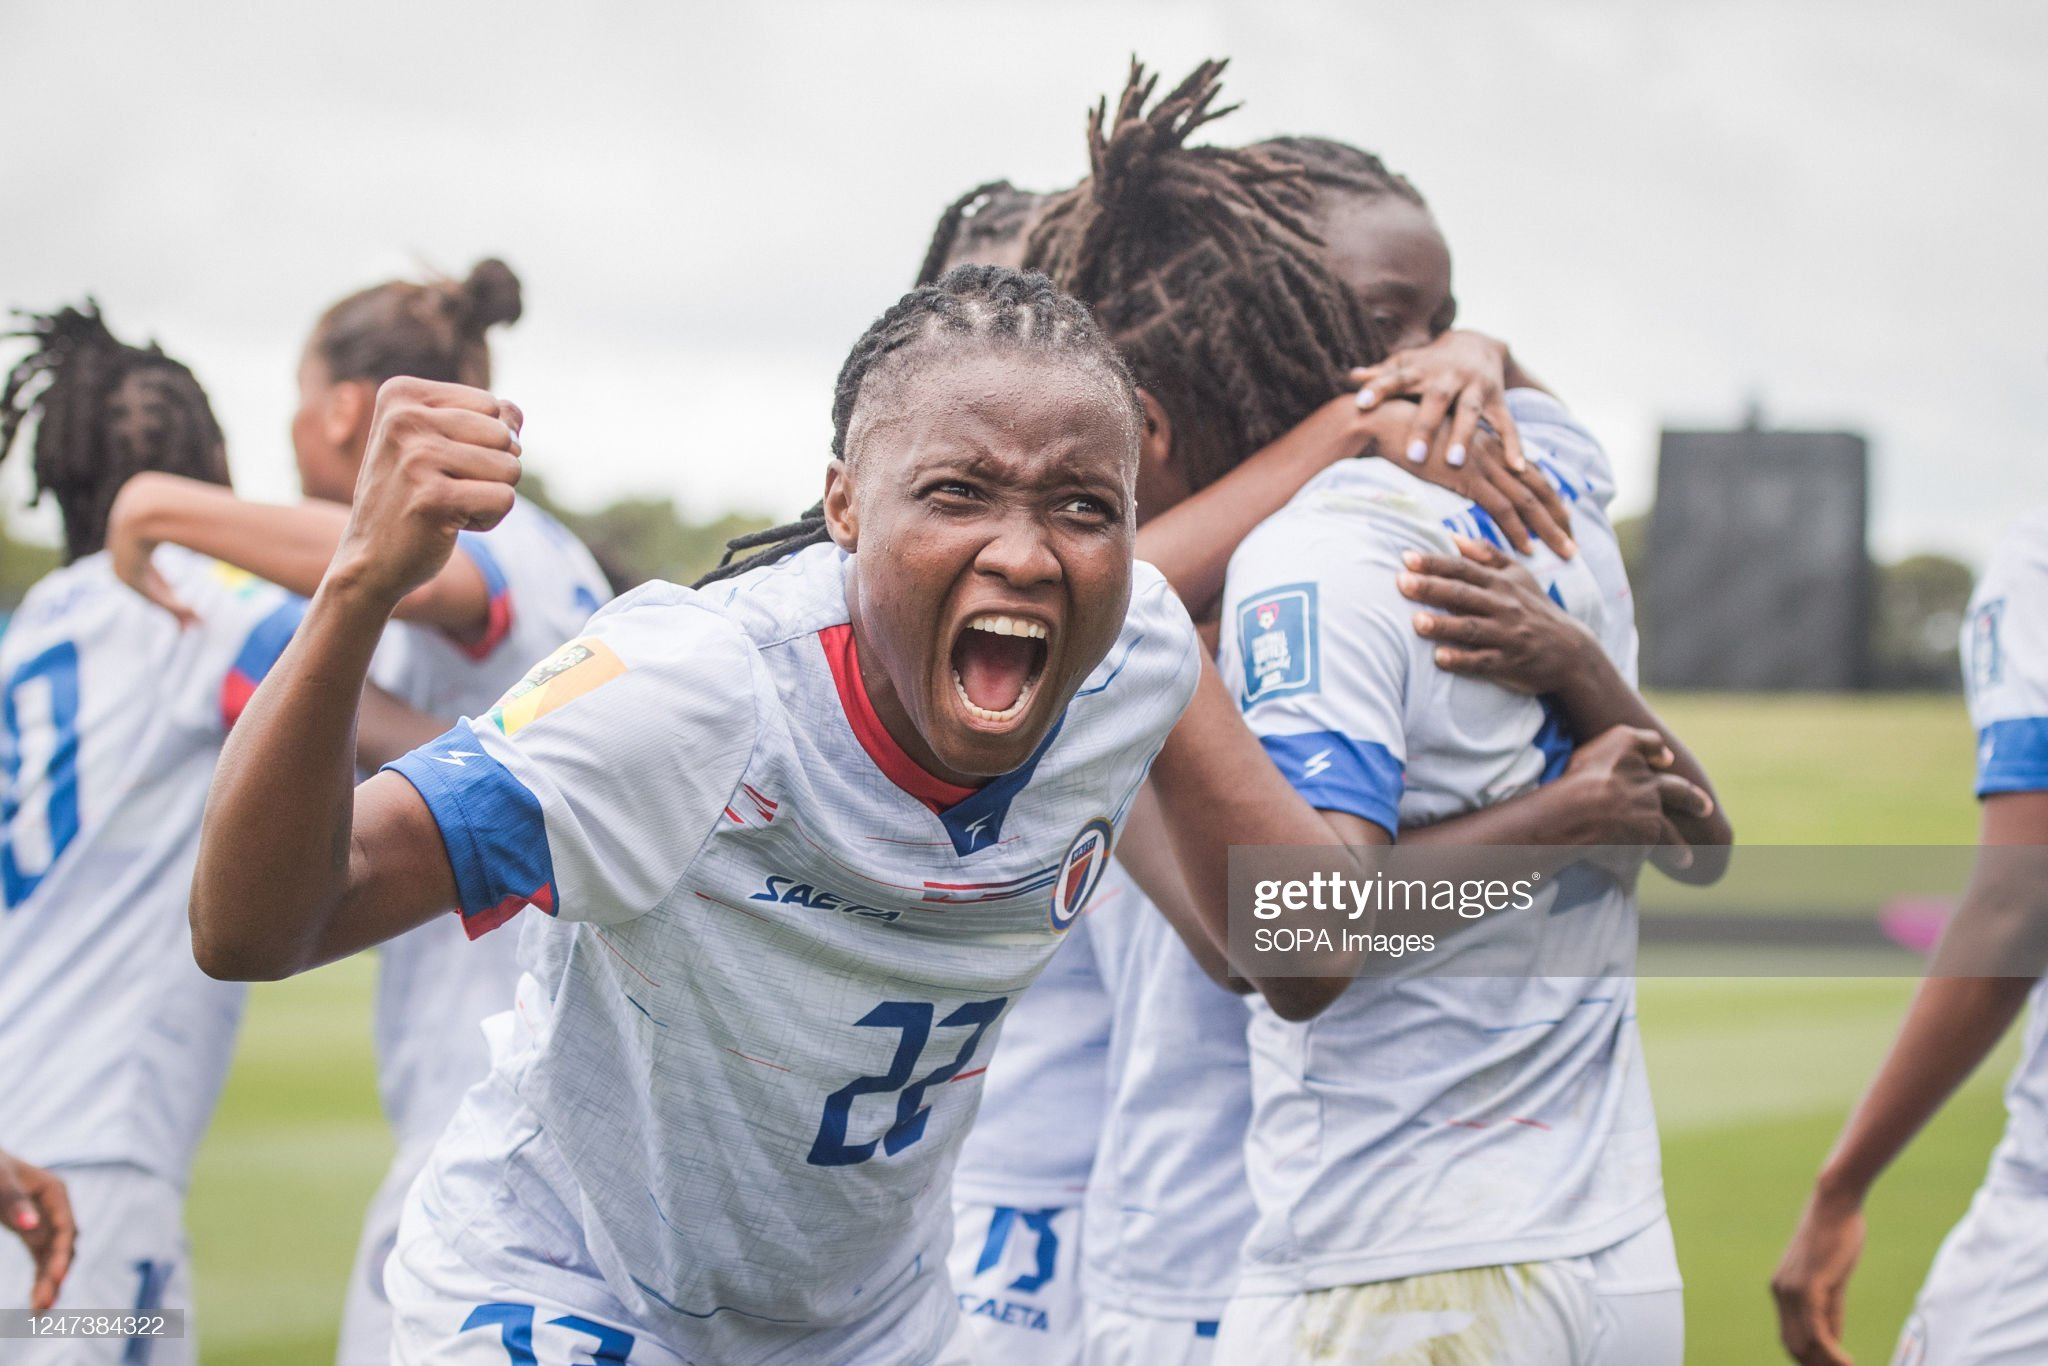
<point x="105" y="410"/>
<point x="987" y="225"/>
<point x="1203" y="266"/>
<point x="429" y="331"/>
<point x="1333" y="165"/>
<point x="991" y="307"/>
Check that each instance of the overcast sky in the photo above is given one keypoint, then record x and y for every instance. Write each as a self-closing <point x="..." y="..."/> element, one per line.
<point x="1665" y="208"/>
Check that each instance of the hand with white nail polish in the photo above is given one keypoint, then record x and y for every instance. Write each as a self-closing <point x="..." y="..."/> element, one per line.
<point x="1456" y="431"/>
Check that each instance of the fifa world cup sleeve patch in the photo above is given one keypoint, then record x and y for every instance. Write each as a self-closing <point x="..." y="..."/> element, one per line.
<point x="491" y="825"/>
<point x="1276" y="638"/>
<point x="582" y="666"/>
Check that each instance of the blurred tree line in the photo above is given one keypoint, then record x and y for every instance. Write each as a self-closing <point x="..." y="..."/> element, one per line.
<point x="1917" y="609"/>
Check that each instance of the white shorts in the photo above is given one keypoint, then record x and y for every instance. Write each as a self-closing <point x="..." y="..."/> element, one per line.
<point x="1622" y="1306"/>
<point x="447" y="1313"/>
<point x="1118" y="1338"/>
<point x="1985" y="1302"/>
<point x="1016" y="1273"/>
<point x="366" y="1313"/>
<point x="444" y="1310"/>
<point x="131" y="1258"/>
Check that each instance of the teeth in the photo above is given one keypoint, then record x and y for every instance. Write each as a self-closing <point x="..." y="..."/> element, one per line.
<point x="1023" y="700"/>
<point x="998" y="625"/>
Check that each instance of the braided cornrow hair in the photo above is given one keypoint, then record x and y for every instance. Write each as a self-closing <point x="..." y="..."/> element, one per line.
<point x="986" y="306"/>
<point x="106" y="411"/>
<point x="985" y="226"/>
<point x="1203" y="266"/>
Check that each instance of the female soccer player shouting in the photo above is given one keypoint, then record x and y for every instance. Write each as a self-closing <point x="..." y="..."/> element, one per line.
<point x="801" y="838"/>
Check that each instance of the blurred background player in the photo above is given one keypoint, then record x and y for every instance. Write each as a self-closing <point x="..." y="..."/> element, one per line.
<point x="36" y="1206"/>
<point x="503" y="601"/>
<point x="1985" y="1301"/>
<point x="113" y="1045"/>
<point x="1170" y="347"/>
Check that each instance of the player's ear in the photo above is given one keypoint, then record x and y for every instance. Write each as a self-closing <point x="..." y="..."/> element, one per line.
<point x="350" y="406"/>
<point x="841" y="520"/>
<point x="1155" y="445"/>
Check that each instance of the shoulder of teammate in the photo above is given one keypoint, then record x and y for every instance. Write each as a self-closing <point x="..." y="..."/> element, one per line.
<point x="1319" y="648"/>
<point x="590" y="787"/>
<point x="1562" y="447"/>
<point x="244" y="624"/>
<point x="2005" y="661"/>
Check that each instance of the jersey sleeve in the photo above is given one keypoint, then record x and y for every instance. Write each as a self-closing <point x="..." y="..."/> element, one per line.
<point x="248" y="622"/>
<point x="2005" y="663"/>
<point x="1562" y="448"/>
<point x="591" y="786"/>
<point x="1158" y="660"/>
<point x="1321" y="664"/>
<point x="474" y="546"/>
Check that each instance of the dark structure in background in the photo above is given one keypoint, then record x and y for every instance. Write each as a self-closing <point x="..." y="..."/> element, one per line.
<point x="1758" y="575"/>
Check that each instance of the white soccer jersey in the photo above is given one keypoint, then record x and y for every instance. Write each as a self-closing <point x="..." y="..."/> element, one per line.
<point x="1042" y="1104"/>
<point x="113" y="1045"/>
<point x="2005" y="673"/>
<point x="433" y="987"/>
<point x="749" y="1040"/>
<point x="1433" y="1122"/>
<point x="1168" y="1207"/>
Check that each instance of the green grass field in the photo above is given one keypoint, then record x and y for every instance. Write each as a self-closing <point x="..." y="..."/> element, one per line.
<point x="1752" y="1076"/>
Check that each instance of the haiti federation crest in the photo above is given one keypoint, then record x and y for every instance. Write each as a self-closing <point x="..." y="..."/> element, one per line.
<point x="1081" y="871"/>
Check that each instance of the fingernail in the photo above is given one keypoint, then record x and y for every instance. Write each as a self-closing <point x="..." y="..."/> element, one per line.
<point x="1422" y="623"/>
<point x="1685" y="858"/>
<point x="1408" y="583"/>
<point x="1517" y="463"/>
<point x="26" y="1219"/>
<point x="1366" y="398"/>
<point x="1708" y="807"/>
<point x="1571" y="547"/>
<point x="1412" y="558"/>
<point x="1418" y="451"/>
<point x="1456" y="456"/>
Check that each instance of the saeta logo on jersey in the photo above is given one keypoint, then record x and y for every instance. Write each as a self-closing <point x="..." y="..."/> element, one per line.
<point x="789" y="892"/>
<point x="1081" y="870"/>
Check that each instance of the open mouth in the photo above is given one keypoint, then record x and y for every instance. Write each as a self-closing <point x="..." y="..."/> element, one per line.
<point x="997" y="662"/>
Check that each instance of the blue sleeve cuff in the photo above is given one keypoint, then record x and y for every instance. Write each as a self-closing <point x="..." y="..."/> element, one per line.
<point x="1333" y="772"/>
<point x="491" y="826"/>
<point x="2012" y="756"/>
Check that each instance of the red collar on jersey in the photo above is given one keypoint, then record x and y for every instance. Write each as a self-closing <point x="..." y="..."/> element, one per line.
<point x="896" y="765"/>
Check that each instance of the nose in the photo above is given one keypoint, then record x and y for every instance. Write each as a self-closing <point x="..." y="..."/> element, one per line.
<point x="1020" y="553"/>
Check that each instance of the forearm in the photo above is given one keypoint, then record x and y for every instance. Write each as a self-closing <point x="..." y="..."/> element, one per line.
<point x="288" y="545"/>
<point x="1954" y="1022"/>
<point x="1595" y="698"/>
<point x="291" y="545"/>
<point x="274" y="847"/>
<point x="1146" y="852"/>
<point x="1192" y="542"/>
<point x="1217" y="789"/>
<point x="1550" y="825"/>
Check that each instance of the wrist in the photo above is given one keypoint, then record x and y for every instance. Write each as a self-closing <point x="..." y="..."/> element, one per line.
<point x="1841" y="1186"/>
<point x="353" y="585"/>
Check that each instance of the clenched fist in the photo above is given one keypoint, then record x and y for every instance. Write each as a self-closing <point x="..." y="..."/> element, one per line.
<point x="442" y="459"/>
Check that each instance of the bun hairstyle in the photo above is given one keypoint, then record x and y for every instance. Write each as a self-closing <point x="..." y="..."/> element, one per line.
<point x="105" y="410"/>
<point x="432" y="331"/>
<point x="1203" y="266"/>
